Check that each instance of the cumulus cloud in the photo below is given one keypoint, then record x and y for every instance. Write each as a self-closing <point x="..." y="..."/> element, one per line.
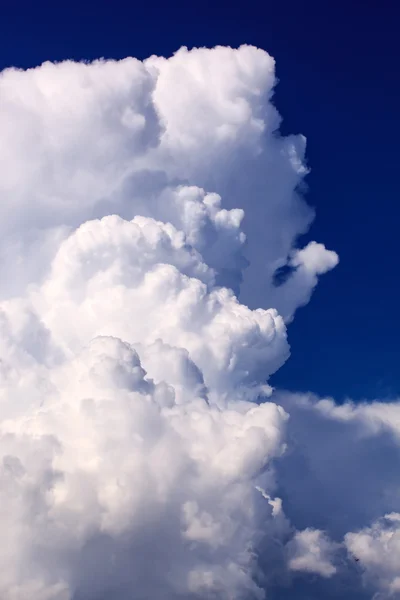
<point x="378" y="549"/>
<point x="146" y="208"/>
<point x="109" y="487"/>
<point x="163" y="138"/>
<point x="339" y="475"/>
<point x="311" y="551"/>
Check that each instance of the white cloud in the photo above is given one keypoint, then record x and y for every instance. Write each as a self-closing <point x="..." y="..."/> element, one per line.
<point x="87" y="140"/>
<point x="305" y="266"/>
<point x="139" y="201"/>
<point x="133" y="196"/>
<point x="145" y="208"/>
<point x="340" y="474"/>
<point x="112" y="477"/>
<point x="377" y="548"/>
<point x="311" y="551"/>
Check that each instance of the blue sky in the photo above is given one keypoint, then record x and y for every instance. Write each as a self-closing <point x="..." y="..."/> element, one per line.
<point x="338" y="69"/>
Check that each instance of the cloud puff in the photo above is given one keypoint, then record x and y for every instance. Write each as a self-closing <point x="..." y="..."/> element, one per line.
<point x="108" y="486"/>
<point x="145" y="207"/>
<point x="133" y="457"/>
<point x="311" y="551"/>
<point x="83" y="141"/>
<point x="378" y="549"/>
<point x="148" y="223"/>
<point x="339" y="475"/>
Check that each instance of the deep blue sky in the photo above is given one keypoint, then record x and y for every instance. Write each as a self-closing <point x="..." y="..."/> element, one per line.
<point x="338" y="65"/>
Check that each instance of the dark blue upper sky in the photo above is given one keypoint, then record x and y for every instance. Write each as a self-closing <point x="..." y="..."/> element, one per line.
<point x="338" y="66"/>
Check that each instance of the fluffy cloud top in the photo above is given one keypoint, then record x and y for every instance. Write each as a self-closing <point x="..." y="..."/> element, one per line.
<point x="145" y="210"/>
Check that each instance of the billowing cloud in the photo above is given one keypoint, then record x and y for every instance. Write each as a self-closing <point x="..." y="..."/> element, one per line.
<point x="108" y="485"/>
<point x="377" y="548"/>
<point x="166" y="138"/>
<point x="147" y="212"/>
<point x="311" y="551"/>
<point x="339" y="475"/>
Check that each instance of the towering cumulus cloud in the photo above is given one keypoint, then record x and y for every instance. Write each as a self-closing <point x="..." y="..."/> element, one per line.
<point x="146" y="210"/>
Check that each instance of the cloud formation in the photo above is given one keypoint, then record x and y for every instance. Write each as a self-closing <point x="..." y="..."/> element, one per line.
<point x="339" y="480"/>
<point x="310" y="551"/>
<point x="146" y="208"/>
